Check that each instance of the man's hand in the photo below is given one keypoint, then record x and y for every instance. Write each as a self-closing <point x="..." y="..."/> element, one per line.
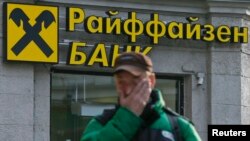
<point x="137" y="98"/>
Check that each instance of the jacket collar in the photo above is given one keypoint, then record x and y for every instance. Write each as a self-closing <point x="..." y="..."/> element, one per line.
<point x="153" y="109"/>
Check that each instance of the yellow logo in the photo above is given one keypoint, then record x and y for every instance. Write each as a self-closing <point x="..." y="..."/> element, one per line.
<point x="31" y="32"/>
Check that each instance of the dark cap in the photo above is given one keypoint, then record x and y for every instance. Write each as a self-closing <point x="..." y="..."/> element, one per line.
<point x="135" y="63"/>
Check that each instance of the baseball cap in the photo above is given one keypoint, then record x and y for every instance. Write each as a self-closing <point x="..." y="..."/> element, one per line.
<point x="132" y="62"/>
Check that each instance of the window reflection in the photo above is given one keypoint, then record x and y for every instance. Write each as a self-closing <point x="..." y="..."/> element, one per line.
<point x="76" y="98"/>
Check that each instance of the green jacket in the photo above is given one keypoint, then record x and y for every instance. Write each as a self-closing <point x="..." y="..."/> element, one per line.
<point x="153" y="125"/>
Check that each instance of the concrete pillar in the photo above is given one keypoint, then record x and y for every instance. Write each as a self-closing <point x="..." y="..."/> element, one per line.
<point x="42" y="102"/>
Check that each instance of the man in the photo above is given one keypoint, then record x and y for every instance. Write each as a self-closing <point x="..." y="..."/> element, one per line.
<point x="140" y="114"/>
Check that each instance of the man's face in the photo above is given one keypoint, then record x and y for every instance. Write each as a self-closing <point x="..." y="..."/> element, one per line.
<point x="125" y="81"/>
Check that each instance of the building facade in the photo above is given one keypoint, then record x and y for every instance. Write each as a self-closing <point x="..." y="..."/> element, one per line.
<point x="204" y="78"/>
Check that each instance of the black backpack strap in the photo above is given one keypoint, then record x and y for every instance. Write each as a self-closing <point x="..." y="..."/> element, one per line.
<point x="175" y="127"/>
<point x="173" y="116"/>
<point x="106" y="116"/>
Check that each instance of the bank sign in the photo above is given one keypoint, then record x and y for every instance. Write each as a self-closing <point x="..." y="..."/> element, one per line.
<point x="31" y="33"/>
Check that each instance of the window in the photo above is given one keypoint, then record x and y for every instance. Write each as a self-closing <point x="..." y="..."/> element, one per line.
<point x="76" y="98"/>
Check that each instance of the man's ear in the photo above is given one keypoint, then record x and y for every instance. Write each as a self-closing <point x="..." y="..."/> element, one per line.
<point x="152" y="80"/>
